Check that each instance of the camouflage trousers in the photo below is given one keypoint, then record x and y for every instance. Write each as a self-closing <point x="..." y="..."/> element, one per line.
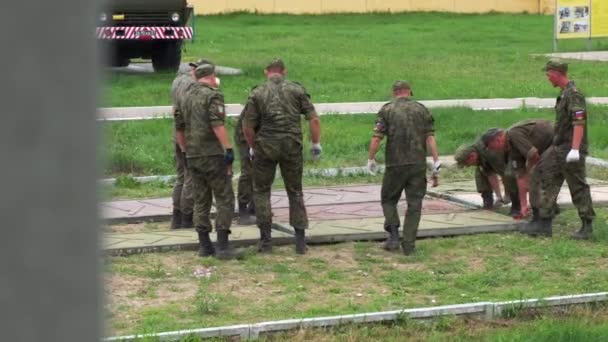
<point x="210" y="179"/>
<point x="245" y="187"/>
<point x="287" y="154"/>
<point x="412" y="179"/>
<point x="182" y="190"/>
<point x="550" y="173"/>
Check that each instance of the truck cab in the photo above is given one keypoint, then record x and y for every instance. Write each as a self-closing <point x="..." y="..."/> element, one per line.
<point x="147" y="29"/>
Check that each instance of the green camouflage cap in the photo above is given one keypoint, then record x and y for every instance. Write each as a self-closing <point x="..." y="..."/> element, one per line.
<point x="398" y="85"/>
<point x="463" y="153"/>
<point x="557" y="66"/>
<point x="199" y="62"/>
<point x="276" y="63"/>
<point x="488" y="136"/>
<point x="204" y="70"/>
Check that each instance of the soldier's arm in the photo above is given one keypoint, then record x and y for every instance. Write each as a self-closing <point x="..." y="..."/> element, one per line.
<point x="310" y="114"/>
<point x="251" y="118"/>
<point x="578" y="110"/>
<point x="380" y="128"/>
<point x="217" y="115"/>
<point x="430" y="137"/>
<point x="180" y="127"/>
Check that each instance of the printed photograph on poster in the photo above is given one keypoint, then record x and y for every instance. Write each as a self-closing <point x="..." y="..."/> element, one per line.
<point x="581" y="26"/>
<point x="564" y="12"/>
<point x="581" y="12"/>
<point x="565" y="27"/>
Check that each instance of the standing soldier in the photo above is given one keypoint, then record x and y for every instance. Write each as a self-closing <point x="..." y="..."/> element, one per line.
<point x="409" y="128"/>
<point x="273" y="130"/>
<point x="488" y="166"/>
<point x="182" y="190"/>
<point x="210" y="156"/>
<point x="523" y="143"/>
<point x="245" y="188"/>
<point x="565" y="159"/>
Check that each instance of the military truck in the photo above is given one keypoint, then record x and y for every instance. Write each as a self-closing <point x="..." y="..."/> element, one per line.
<point x="147" y="29"/>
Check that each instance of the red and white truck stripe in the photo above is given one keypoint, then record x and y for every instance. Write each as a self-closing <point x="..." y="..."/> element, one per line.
<point x="144" y="32"/>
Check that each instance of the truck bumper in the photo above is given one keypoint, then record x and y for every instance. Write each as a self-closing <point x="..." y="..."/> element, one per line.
<point x="144" y="33"/>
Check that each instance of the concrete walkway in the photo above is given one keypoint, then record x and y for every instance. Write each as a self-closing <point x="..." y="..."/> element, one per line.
<point x="141" y="113"/>
<point x="598" y="56"/>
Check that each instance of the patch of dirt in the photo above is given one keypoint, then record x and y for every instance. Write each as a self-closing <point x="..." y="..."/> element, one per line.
<point x="477" y="264"/>
<point x="524" y="260"/>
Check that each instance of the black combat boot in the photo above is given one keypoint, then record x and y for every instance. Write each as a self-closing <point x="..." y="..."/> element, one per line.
<point x="532" y="227"/>
<point x="265" y="243"/>
<point x="585" y="232"/>
<point x="205" y="245"/>
<point x="488" y="200"/>
<point x="224" y="252"/>
<point x="545" y="227"/>
<point x="251" y="208"/>
<point x="408" y="247"/>
<point x="187" y="220"/>
<point x="176" y="220"/>
<point x="301" y="241"/>
<point x="245" y="218"/>
<point x="515" y="205"/>
<point x="392" y="242"/>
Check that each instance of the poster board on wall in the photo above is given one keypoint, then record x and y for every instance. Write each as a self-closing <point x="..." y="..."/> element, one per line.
<point x="599" y="18"/>
<point x="573" y="18"/>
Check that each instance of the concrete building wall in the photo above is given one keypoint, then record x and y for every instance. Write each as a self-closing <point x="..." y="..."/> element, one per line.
<point x="363" y="6"/>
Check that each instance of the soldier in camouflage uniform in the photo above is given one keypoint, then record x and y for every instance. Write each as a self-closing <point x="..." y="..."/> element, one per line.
<point x="272" y="128"/>
<point x="245" y="188"/>
<point x="488" y="166"/>
<point x="409" y="128"/>
<point x="524" y="143"/>
<point x="182" y="190"/>
<point x="565" y="159"/>
<point x="210" y="156"/>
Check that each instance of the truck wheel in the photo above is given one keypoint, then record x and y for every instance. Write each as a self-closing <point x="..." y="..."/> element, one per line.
<point x="167" y="57"/>
<point x="120" y="62"/>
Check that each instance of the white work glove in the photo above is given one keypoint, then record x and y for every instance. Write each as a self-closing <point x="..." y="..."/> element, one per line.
<point x="573" y="156"/>
<point x="436" y="168"/>
<point x="251" y="153"/>
<point x="372" y="167"/>
<point x="315" y="151"/>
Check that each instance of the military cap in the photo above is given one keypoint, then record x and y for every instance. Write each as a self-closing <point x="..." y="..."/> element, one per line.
<point x="488" y="136"/>
<point x="204" y="70"/>
<point x="276" y="63"/>
<point x="557" y="66"/>
<point x="398" y="85"/>
<point x="463" y="153"/>
<point x="199" y="62"/>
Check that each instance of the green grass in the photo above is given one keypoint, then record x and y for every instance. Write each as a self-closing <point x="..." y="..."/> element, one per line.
<point x="356" y="57"/>
<point x="145" y="147"/>
<point x="157" y="292"/>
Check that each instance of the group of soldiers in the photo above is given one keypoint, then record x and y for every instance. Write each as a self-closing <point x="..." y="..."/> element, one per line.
<point x="268" y="134"/>
<point x="531" y="157"/>
<point x="534" y="157"/>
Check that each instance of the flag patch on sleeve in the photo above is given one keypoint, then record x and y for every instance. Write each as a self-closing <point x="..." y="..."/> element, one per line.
<point x="379" y="127"/>
<point x="579" y="115"/>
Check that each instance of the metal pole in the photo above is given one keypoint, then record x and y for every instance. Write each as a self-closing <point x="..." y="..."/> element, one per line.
<point x="590" y="39"/>
<point x="555" y="14"/>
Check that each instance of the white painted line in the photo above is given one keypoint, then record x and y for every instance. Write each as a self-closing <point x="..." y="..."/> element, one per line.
<point x="486" y="310"/>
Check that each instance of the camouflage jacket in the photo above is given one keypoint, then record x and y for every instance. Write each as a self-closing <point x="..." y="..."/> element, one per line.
<point x="406" y="124"/>
<point x="570" y="110"/>
<point x="274" y="110"/>
<point x="203" y="109"/>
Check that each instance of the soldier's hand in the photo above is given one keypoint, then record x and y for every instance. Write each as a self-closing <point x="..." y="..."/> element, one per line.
<point x="315" y="151"/>
<point x="573" y="156"/>
<point x="372" y="167"/>
<point x="185" y="160"/>
<point x="229" y="156"/>
<point x="436" y="168"/>
<point x="250" y="153"/>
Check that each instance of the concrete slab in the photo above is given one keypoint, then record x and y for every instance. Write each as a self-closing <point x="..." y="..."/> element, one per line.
<point x="598" y="56"/>
<point x="464" y="192"/>
<point x="142" y="113"/>
<point x="146" y="68"/>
